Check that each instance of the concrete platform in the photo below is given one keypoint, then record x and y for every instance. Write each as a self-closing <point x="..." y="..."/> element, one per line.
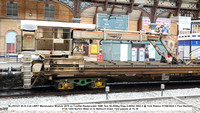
<point x="10" y="64"/>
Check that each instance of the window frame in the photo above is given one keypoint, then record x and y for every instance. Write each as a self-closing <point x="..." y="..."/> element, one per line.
<point x="49" y="12"/>
<point x="12" y="9"/>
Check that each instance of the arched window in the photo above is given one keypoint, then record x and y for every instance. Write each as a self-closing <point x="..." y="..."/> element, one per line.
<point x="10" y="42"/>
<point x="49" y="12"/>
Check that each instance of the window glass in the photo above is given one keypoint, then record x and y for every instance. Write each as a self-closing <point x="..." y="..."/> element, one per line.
<point x="193" y="28"/>
<point x="11" y="9"/>
<point x="10" y="48"/>
<point x="10" y="42"/>
<point x="49" y="12"/>
<point x="49" y="33"/>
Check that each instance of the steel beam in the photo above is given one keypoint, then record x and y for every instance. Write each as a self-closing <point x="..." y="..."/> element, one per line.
<point x="169" y="15"/>
<point x="153" y="11"/>
<point x="11" y="1"/>
<point x="95" y="15"/>
<point x="127" y="4"/>
<point x="140" y="22"/>
<point x="131" y="6"/>
<point x="105" y="5"/>
<point x="178" y="4"/>
<point x="77" y="9"/>
<point x="112" y="11"/>
<point x="198" y="11"/>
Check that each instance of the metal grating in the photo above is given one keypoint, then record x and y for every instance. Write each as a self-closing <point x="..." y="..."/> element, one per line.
<point x="160" y="11"/>
<point x="166" y="3"/>
<point x="190" y="6"/>
<point x="70" y="3"/>
<point x="148" y="2"/>
<point x="85" y="4"/>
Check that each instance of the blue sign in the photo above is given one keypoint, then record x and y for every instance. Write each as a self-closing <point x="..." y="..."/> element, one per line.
<point x="113" y="22"/>
<point x="187" y="42"/>
<point x="180" y="43"/>
<point x="195" y="42"/>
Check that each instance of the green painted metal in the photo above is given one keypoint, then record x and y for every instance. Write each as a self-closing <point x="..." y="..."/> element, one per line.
<point x="82" y="81"/>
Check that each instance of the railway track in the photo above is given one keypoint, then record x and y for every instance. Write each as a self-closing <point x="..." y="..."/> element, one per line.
<point x="180" y="99"/>
<point x="148" y="89"/>
<point x="117" y="88"/>
<point x="154" y="97"/>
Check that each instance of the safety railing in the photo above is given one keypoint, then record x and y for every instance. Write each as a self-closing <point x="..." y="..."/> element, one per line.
<point x="194" y="52"/>
<point x="14" y="57"/>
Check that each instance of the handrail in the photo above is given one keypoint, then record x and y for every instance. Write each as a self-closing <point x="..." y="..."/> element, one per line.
<point x="193" y="51"/>
<point x="7" y="56"/>
<point x="135" y="32"/>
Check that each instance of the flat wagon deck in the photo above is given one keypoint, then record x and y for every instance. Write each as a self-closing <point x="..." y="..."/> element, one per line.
<point x="118" y="67"/>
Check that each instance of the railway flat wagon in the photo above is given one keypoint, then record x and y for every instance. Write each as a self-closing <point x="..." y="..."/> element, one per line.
<point x="52" y="56"/>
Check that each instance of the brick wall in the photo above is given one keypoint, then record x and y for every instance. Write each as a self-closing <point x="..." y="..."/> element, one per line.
<point x="85" y="20"/>
<point x="64" y="15"/>
<point x="7" y="25"/>
<point x="2" y="45"/>
<point x="0" y="8"/>
<point x="133" y="25"/>
<point x="25" y="7"/>
<point x="33" y="8"/>
<point x="174" y="28"/>
<point x="10" y="25"/>
<point x="3" y="8"/>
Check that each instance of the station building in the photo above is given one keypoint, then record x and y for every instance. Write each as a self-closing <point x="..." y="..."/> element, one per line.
<point x="13" y="11"/>
<point x="188" y="40"/>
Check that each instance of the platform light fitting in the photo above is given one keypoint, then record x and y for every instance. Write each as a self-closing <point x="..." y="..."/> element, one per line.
<point x="30" y="14"/>
<point x="141" y="5"/>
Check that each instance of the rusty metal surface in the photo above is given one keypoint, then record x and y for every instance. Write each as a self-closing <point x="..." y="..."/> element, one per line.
<point x="116" y="68"/>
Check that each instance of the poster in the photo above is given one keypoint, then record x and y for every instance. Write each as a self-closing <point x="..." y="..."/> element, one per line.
<point x="184" y="23"/>
<point x="94" y="49"/>
<point x="163" y="25"/>
<point x="124" y="52"/>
